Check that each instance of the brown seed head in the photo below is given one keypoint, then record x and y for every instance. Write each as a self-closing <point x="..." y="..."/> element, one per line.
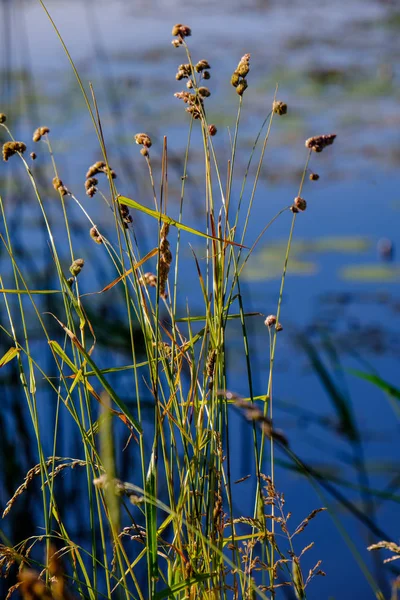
<point x="91" y="191"/>
<point x="300" y="203"/>
<point x="10" y="148"/>
<point x="204" y="92"/>
<point x="36" y="135"/>
<point x="149" y="279"/>
<point x="77" y="266"/>
<point x="181" y="30"/>
<point x="143" y="140"/>
<point x="3" y="118"/>
<point x="33" y="156"/>
<point x="176" y="43"/>
<point x="212" y="130"/>
<point x="58" y="185"/>
<point x="235" y="79"/>
<point x="318" y="143"/>
<point x="244" y="66"/>
<point x="314" y="176"/>
<point x="100" y="167"/>
<point x="206" y="75"/>
<point x="144" y="151"/>
<point x="44" y="130"/>
<point x="201" y="66"/>
<point x="92" y="181"/>
<point x="279" y="108"/>
<point x="185" y="96"/>
<point x="164" y="230"/>
<point x="270" y="320"/>
<point x="95" y="235"/>
<point x="242" y="87"/>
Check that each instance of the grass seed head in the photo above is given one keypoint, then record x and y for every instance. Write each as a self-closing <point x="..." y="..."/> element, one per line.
<point x="235" y="79"/>
<point x="242" y="87"/>
<point x="279" y="108"/>
<point x="143" y="140"/>
<point x="180" y="30"/>
<point x="36" y="135"/>
<point x="39" y="132"/>
<point x="201" y="66"/>
<point x="11" y="148"/>
<point x="204" y="92"/>
<point x="149" y="279"/>
<point x="243" y="67"/>
<point x="319" y="142"/>
<point x="77" y="266"/>
<point x="212" y="130"/>
<point x="300" y="203"/>
<point x="270" y="321"/>
<point x="3" y="118"/>
<point x="59" y="186"/>
<point x="95" y="235"/>
<point x="126" y="217"/>
<point x="99" y="167"/>
<point x="314" y="177"/>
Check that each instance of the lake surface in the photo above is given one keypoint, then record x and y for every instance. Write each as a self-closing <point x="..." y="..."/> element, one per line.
<point x="338" y="69"/>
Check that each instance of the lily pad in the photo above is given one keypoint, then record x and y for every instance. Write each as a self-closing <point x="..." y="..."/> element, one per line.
<point x="371" y="272"/>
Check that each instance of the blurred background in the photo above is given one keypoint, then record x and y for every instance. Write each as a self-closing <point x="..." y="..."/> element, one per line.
<point x="337" y="67"/>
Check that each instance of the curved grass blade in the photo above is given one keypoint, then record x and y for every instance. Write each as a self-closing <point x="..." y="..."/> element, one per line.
<point x="170" y="221"/>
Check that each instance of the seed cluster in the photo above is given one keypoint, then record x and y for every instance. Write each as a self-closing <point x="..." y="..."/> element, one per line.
<point x="299" y="205"/>
<point x="95" y="235"/>
<point x="165" y="259"/>
<point x="76" y="267"/>
<point x="90" y="186"/>
<point x="11" y="148"/>
<point x="238" y="79"/>
<point x="319" y="142"/>
<point x="142" y="139"/>
<point x="95" y="169"/>
<point x="194" y="102"/>
<point x="270" y="321"/>
<point x="149" y="279"/>
<point x="126" y="217"/>
<point x="180" y="32"/>
<point x="3" y="118"/>
<point x="279" y="108"/>
<point x="59" y="186"/>
<point x="39" y="132"/>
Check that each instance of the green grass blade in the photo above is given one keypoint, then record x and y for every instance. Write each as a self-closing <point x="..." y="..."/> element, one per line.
<point x="179" y="587"/>
<point x="162" y="217"/>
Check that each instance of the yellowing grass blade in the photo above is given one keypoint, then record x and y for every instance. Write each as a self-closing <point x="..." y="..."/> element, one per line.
<point x="9" y="355"/>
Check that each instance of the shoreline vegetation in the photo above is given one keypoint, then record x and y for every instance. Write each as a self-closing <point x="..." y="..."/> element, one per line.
<point x="173" y="530"/>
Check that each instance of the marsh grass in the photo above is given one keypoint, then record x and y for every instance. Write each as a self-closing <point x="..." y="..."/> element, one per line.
<point x="172" y="530"/>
